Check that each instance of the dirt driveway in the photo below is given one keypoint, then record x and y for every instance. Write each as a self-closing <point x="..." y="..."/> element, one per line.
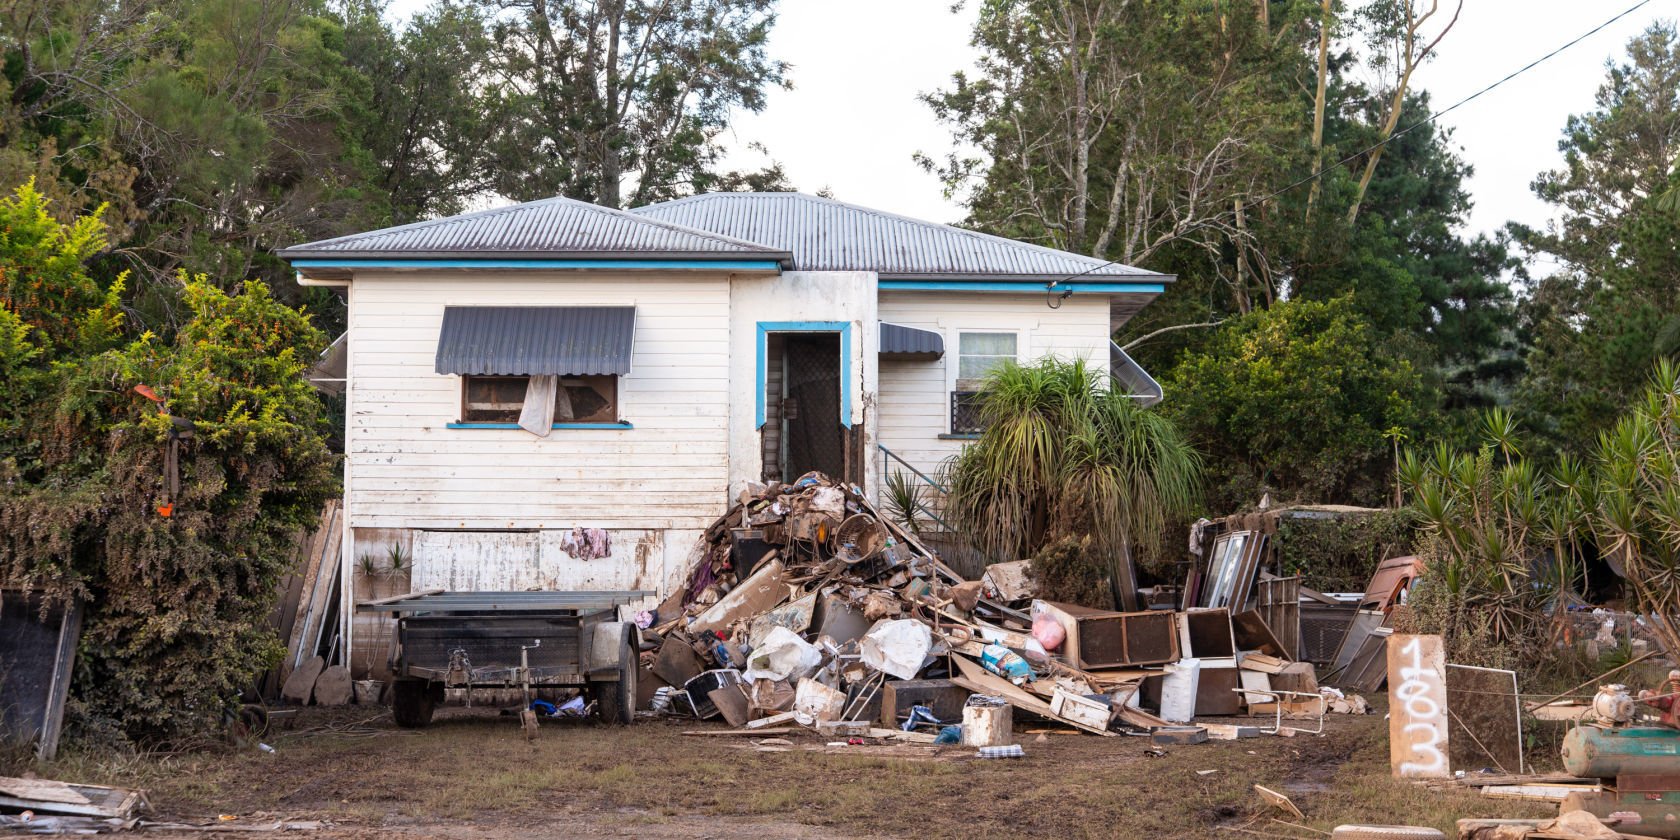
<point x="473" y="775"/>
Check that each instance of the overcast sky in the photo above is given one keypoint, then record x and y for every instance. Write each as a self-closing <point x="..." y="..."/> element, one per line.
<point x="852" y="121"/>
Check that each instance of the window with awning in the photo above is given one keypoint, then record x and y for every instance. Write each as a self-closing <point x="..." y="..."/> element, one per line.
<point x="538" y="366"/>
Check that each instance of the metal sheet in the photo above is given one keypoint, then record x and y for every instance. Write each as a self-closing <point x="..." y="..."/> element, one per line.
<point x="530" y="340"/>
<point x="1131" y="376"/>
<point x="899" y="341"/>
<point x="553" y="228"/>
<point x="511" y="602"/>
<point x="828" y="235"/>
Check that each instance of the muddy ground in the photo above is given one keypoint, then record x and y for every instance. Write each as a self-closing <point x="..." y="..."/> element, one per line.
<point x="472" y="775"/>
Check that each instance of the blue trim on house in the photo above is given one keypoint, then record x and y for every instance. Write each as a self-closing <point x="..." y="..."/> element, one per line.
<point x="844" y="328"/>
<point x="555" y="426"/>
<point x="959" y="436"/>
<point x="1020" y="288"/>
<point x="398" y="262"/>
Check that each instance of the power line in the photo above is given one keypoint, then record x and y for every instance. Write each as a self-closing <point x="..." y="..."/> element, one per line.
<point x="1398" y="134"/>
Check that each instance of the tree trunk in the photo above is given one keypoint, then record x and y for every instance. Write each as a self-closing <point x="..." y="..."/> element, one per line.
<point x="1411" y="62"/>
<point x="612" y="166"/>
<point x="1324" y="27"/>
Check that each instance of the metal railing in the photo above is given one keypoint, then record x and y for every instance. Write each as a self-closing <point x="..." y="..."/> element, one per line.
<point x="921" y="506"/>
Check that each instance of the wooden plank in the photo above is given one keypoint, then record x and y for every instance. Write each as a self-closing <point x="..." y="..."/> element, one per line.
<point x="1417" y="704"/>
<point x="769" y="730"/>
<point x="53" y="797"/>
<point x="1537" y="793"/>
<point x="1279" y="801"/>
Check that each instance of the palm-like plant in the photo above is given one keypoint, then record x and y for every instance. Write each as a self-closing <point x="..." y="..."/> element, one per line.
<point x="1493" y="515"/>
<point x="1065" y="457"/>
<point x="1636" y="509"/>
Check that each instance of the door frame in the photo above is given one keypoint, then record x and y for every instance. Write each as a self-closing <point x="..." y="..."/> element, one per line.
<point x="843" y="328"/>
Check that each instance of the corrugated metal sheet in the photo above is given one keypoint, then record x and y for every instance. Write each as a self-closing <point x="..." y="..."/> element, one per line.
<point x="529" y="340"/>
<point x="828" y="235"/>
<point x="553" y="227"/>
<point x="899" y="340"/>
<point x="1129" y="374"/>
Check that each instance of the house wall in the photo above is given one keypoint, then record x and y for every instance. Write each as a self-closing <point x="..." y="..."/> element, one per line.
<point x="847" y="297"/>
<point x="459" y="498"/>
<point x="915" y="395"/>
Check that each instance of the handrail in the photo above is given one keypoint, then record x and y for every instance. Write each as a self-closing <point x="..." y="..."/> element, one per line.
<point x="907" y="465"/>
<point x="927" y="511"/>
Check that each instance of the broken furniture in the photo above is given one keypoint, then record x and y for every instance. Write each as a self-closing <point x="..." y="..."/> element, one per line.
<point x="1098" y="639"/>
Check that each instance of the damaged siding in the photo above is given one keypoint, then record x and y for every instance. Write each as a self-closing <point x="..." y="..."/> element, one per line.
<point x="409" y="470"/>
<point x="480" y="561"/>
<point x="915" y="406"/>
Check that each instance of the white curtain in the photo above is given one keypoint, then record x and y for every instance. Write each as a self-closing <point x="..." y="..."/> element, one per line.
<point x="537" y="415"/>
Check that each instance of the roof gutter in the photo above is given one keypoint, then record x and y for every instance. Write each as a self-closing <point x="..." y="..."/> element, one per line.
<point x="784" y="258"/>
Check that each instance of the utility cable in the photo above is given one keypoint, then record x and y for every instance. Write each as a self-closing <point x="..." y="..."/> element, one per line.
<point x="1396" y="135"/>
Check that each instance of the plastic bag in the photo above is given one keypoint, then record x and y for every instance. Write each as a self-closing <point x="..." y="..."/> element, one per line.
<point x="897" y="647"/>
<point x="782" y="656"/>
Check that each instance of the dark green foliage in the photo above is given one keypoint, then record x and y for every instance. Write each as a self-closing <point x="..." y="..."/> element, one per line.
<point x="602" y="98"/>
<point x="1339" y="553"/>
<point x="178" y="605"/>
<point x="1596" y="324"/>
<point x="1299" y="400"/>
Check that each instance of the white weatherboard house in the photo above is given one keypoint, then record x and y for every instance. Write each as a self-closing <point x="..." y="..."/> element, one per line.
<point x="561" y="396"/>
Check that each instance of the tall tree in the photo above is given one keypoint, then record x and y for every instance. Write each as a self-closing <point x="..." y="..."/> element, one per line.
<point x="1119" y="128"/>
<point x="1613" y="303"/>
<point x="621" y="102"/>
<point x="1400" y="45"/>
<point x="433" y="106"/>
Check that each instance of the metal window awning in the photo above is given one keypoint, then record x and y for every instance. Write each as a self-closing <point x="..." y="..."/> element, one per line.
<point x="901" y="342"/>
<point x="328" y="372"/>
<point x="534" y="340"/>
<point x="1130" y="375"/>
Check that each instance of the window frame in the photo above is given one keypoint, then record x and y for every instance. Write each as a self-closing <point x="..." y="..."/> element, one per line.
<point x="955" y="380"/>
<point x="615" y="404"/>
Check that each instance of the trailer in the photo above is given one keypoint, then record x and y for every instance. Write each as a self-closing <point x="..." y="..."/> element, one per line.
<point x="524" y="640"/>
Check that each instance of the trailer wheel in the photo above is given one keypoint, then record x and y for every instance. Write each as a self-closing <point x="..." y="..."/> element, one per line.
<point x="413" y="701"/>
<point x="616" y="699"/>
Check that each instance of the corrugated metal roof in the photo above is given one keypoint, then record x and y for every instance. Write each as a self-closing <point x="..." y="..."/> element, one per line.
<point x="552" y="227"/>
<point x="828" y="235"/>
<point x="530" y="340"/>
<point x="899" y="340"/>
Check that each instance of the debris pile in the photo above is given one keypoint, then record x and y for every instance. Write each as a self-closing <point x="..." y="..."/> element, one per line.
<point x="807" y="607"/>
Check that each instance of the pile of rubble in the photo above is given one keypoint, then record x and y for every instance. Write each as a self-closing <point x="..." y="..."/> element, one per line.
<point x="808" y="607"/>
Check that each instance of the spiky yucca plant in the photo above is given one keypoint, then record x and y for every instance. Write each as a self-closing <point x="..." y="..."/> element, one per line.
<point x="1065" y="457"/>
<point x="1636" y="513"/>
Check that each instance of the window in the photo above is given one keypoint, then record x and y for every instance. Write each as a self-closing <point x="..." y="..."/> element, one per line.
<point x="579" y="399"/>
<point x="978" y="354"/>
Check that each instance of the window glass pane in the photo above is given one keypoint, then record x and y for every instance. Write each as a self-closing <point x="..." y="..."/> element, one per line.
<point x="976" y="367"/>
<point x="986" y="344"/>
<point x="979" y="353"/>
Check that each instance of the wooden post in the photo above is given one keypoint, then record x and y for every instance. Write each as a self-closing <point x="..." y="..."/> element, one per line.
<point x="1417" y="707"/>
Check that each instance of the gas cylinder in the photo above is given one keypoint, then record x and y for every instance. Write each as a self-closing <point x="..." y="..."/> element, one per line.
<point x="1597" y="753"/>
